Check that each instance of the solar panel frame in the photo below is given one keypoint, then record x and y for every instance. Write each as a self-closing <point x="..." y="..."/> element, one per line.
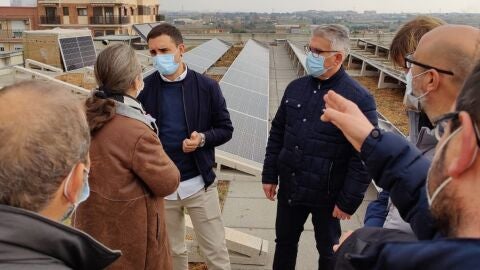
<point x="77" y="52"/>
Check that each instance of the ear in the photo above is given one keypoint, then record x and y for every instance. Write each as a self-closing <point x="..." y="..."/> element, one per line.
<point x="181" y="48"/>
<point x="338" y="59"/>
<point x="431" y="80"/>
<point x="75" y="185"/>
<point x="467" y="147"/>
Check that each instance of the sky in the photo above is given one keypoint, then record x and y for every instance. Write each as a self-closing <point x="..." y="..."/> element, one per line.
<point x="385" y="6"/>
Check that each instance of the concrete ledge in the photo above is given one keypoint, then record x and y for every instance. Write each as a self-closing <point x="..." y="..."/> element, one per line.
<point x="244" y="249"/>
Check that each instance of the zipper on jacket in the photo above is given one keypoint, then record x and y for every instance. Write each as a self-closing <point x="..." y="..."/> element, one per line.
<point x="329" y="177"/>
<point x="190" y="132"/>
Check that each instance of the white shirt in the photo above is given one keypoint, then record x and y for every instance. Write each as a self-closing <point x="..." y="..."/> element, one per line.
<point x="187" y="188"/>
<point x="179" y="78"/>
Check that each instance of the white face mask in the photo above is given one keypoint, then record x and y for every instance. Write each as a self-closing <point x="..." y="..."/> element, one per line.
<point x="411" y="101"/>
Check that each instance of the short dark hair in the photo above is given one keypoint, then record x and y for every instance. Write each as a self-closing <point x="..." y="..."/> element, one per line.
<point x="43" y="137"/>
<point x="166" y="29"/>
<point x="469" y="98"/>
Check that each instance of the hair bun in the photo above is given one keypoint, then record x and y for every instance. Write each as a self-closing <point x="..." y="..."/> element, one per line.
<point x="100" y="94"/>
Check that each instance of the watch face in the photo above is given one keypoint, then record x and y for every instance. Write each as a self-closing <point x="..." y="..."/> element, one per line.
<point x="375" y="133"/>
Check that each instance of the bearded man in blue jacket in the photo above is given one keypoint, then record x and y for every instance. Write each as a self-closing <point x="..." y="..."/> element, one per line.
<point x="440" y="202"/>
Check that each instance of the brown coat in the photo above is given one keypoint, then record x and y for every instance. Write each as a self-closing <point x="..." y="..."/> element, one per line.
<point x="129" y="176"/>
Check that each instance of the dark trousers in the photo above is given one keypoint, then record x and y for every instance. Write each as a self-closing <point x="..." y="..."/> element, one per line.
<point x="289" y="227"/>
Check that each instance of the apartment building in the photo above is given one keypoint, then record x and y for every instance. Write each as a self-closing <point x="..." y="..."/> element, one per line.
<point x="14" y="21"/>
<point x="103" y="17"/>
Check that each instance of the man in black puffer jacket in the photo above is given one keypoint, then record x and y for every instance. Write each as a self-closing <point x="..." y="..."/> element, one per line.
<point x="318" y="170"/>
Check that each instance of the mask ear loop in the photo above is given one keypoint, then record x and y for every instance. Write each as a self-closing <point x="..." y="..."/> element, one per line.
<point x="69" y="177"/>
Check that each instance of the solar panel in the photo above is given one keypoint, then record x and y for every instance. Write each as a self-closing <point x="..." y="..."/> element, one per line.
<point x="143" y="29"/>
<point x="77" y="52"/>
<point x="245" y="86"/>
<point x="204" y="56"/>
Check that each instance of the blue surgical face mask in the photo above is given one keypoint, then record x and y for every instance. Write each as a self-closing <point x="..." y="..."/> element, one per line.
<point x="316" y="65"/>
<point x="411" y="101"/>
<point x="165" y="63"/>
<point x="85" y="193"/>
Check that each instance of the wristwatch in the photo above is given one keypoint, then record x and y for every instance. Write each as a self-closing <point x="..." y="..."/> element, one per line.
<point x="375" y="133"/>
<point x="202" y="141"/>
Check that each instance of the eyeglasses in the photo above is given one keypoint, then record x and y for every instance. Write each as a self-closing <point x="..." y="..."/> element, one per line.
<point x="315" y="52"/>
<point x="441" y="124"/>
<point x="409" y="62"/>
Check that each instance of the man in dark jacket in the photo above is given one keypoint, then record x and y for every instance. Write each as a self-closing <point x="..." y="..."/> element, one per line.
<point x="318" y="170"/>
<point x="445" y="196"/>
<point x="192" y="119"/>
<point x="43" y="177"/>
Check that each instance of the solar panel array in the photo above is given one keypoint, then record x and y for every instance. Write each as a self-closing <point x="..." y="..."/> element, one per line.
<point x="204" y="56"/>
<point x="245" y="86"/>
<point x="144" y="28"/>
<point x="299" y="53"/>
<point x="77" y="52"/>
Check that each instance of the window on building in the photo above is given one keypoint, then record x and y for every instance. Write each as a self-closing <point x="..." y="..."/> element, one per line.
<point x="144" y="10"/>
<point x="2" y="49"/>
<point x="82" y="11"/>
<point x="109" y="32"/>
<point x="66" y="11"/>
<point x="50" y="11"/>
<point x="98" y="33"/>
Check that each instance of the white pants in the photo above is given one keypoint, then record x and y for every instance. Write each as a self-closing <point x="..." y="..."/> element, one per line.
<point x="204" y="210"/>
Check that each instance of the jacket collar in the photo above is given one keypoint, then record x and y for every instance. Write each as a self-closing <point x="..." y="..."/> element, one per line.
<point x="333" y="79"/>
<point x="28" y="230"/>
<point x="131" y="108"/>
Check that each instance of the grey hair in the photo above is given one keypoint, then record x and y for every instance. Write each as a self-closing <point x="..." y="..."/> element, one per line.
<point x="43" y="137"/>
<point x="117" y="67"/>
<point x="337" y="34"/>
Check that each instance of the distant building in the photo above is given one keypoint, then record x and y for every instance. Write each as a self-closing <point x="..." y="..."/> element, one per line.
<point x="13" y="22"/>
<point x="287" y="28"/>
<point x="200" y="29"/>
<point x="185" y="21"/>
<point x="23" y="3"/>
<point x="103" y="17"/>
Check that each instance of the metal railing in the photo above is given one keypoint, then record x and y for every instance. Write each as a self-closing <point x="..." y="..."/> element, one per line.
<point x="11" y="34"/>
<point x="109" y="20"/>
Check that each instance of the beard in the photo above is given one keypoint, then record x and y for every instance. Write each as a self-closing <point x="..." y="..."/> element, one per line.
<point x="445" y="209"/>
<point x="446" y="213"/>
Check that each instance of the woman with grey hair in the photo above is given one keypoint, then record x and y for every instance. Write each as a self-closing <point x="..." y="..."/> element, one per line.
<point x="130" y="172"/>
